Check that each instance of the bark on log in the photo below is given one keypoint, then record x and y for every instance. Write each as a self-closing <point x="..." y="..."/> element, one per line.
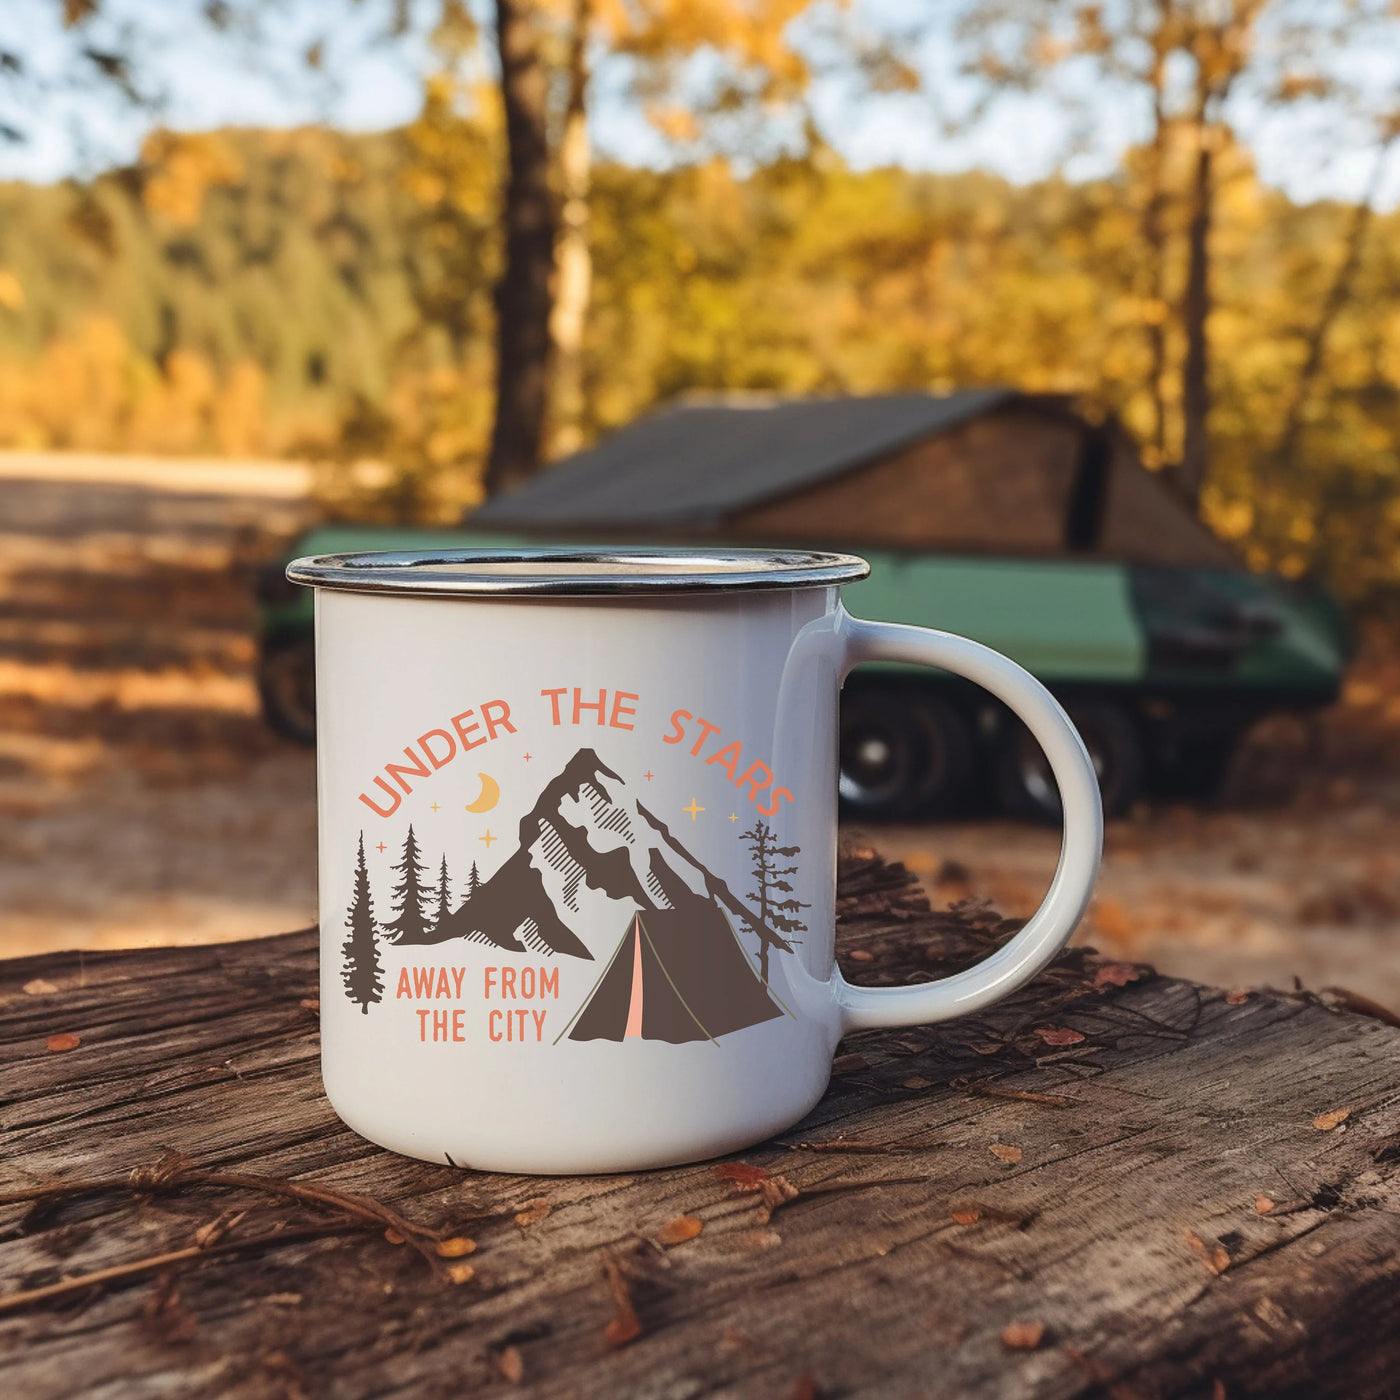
<point x="1175" y="1221"/>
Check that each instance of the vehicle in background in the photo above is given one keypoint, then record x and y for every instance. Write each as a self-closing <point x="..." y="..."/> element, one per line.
<point x="1006" y="517"/>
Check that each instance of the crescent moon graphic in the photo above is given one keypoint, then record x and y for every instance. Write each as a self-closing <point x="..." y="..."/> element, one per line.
<point x="490" y="794"/>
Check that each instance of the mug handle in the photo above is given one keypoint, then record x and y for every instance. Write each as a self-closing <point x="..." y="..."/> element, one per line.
<point x="1048" y="930"/>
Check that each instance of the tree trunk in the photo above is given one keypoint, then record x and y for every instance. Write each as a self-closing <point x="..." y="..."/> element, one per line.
<point x="573" y="262"/>
<point x="1195" y="316"/>
<point x="1338" y="294"/>
<point x="523" y="293"/>
<point x="1154" y="236"/>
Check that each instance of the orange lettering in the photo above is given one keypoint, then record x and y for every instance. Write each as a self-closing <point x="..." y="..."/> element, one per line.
<point x="549" y="981"/>
<point x="755" y="783"/>
<point x="554" y="700"/>
<point x="677" y="726"/>
<point x="404" y="989"/>
<point x="778" y="795"/>
<point x="414" y="766"/>
<point x="620" y="709"/>
<point x="428" y="749"/>
<point x="491" y="1026"/>
<point x="494" y="721"/>
<point x="727" y="758"/>
<point x="464" y="730"/>
<point x="706" y="729"/>
<point x="580" y="704"/>
<point x="370" y="803"/>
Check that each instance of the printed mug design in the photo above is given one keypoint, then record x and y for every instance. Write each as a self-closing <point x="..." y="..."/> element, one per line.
<point x="693" y="960"/>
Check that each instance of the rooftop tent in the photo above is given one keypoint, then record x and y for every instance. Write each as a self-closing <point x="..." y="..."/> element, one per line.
<point x="663" y="982"/>
<point x="988" y="471"/>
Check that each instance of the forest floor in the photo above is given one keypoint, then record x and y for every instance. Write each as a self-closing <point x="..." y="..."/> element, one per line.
<point x="142" y="800"/>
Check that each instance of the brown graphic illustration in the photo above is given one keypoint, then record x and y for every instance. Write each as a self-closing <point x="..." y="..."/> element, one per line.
<point x="362" y="973"/>
<point x="679" y="971"/>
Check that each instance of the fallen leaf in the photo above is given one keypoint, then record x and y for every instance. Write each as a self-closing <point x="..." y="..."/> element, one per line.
<point x="310" y="1003"/>
<point x="1263" y="1204"/>
<point x="861" y="955"/>
<point x="65" y="1040"/>
<point x="1237" y="997"/>
<point x="624" y="1326"/>
<point x="461" y="1273"/>
<point x="967" y="1217"/>
<point x="1023" y="1336"/>
<point x="918" y="1082"/>
<point x="1214" y="1256"/>
<point x="744" y="1176"/>
<point x="511" y="1364"/>
<point x="533" y="1211"/>
<point x="1003" y="1152"/>
<point x="1116" y="974"/>
<point x="1324" y="1121"/>
<point x="283" y="1300"/>
<point x="455" y="1247"/>
<point x="848" y="1064"/>
<point x="805" y="1387"/>
<point x="1059" y="1035"/>
<point x="393" y="1236"/>
<point x="39" y="987"/>
<point x="990" y="1047"/>
<point x="679" y="1230"/>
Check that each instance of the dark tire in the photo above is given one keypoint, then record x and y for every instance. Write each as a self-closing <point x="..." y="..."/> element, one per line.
<point x="1025" y="787"/>
<point x="1196" y="772"/>
<point x="902" y="755"/>
<point x="287" y="688"/>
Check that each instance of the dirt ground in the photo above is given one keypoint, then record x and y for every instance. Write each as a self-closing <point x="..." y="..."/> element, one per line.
<point x="142" y="801"/>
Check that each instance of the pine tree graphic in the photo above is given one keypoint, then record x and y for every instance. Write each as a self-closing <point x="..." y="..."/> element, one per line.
<point x="444" y="894"/>
<point x="770" y="875"/>
<point x="473" y="881"/>
<point x="413" y="899"/>
<point x="362" y="974"/>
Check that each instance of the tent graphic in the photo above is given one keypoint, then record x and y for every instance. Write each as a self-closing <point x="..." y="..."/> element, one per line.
<point x="674" y="977"/>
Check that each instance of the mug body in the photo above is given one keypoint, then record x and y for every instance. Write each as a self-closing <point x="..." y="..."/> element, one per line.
<point x="577" y="870"/>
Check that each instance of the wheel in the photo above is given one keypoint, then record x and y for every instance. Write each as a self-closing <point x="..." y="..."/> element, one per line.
<point x="902" y="755"/>
<point x="287" y="688"/>
<point x="1196" y="771"/>
<point x="1025" y="786"/>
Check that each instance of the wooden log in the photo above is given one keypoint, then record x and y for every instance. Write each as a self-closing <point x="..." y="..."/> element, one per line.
<point x="994" y="1207"/>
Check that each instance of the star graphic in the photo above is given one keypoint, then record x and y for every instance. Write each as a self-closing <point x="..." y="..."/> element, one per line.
<point x="694" y="809"/>
<point x="734" y="816"/>
<point x="380" y="848"/>
<point x="527" y="758"/>
<point x="488" y="838"/>
<point x="435" y="808"/>
<point x="648" y="775"/>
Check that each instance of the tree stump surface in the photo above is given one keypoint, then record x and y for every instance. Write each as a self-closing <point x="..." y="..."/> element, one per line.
<point x="1113" y="1184"/>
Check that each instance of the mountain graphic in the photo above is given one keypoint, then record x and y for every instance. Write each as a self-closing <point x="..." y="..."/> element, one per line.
<point x="595" y="875"/>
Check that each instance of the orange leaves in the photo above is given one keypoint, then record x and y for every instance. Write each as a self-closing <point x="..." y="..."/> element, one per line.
<point x="625" y="1326"/>
<point x="1117" y="974"/>
<point x="1059" y="1035"/>
<point x="533" y="1211"/>
<point x="774" y="1191"/>
<point x="1022" y="1336"/>
<point x="1212" y="1254"/>
<point x="1325" y="1122"/>
<point x="65" y="1040"/>
<point x="1004" y="1152"/>
<point x="455" y="1247"/>
<point x="679" y="1230"/>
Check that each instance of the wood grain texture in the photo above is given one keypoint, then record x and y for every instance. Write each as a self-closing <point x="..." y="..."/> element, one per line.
<point x="1128" y="1227"/>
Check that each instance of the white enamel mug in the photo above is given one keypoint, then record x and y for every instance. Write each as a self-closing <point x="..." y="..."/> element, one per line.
<point x="578" y="848"/>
